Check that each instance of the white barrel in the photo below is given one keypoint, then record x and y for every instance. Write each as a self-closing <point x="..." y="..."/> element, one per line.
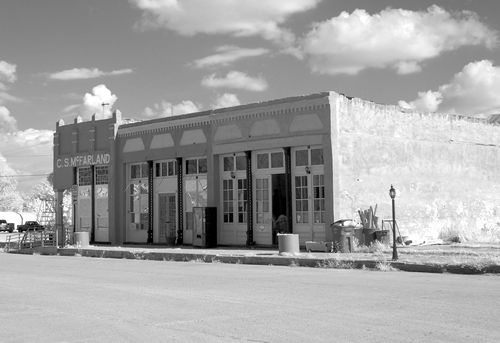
<point x="82" y="239"/>
<point x="288" y="243"/>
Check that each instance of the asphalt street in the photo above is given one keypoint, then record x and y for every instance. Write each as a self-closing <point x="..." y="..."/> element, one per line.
<point x="77" y="299"/>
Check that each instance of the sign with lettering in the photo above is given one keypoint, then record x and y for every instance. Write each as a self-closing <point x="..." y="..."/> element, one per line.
<point x="83" y="160"/>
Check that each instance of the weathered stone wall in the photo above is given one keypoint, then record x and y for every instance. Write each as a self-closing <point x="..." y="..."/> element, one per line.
<point x="446" y="169"/>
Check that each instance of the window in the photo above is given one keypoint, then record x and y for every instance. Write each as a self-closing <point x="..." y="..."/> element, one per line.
<point x="262" y="161"/>
<point x="302" y="157"/>
<point x="307" y="157"/>
<point x="229" y="163"/>
<point x="319" y="198"/>
<point x="276" y="160"/>
<point x="101" y="175"/>
<point x="241" y="162"/>
<point x="139" y="170"/>
<point x="167" y="168"/>
<point x="316" y="157"/>
<point x="242" y="201"/>
<point x="138" y="205"/>
<point x="262" y="201"/>
<point x="227" y="188"/>
<point x="196" y="166"/>
<point x="84" y="176"/>
<point x="191" y="166"/>
<point x="301" y="200"/>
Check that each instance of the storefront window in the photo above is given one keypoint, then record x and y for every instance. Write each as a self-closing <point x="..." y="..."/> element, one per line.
<point x="84" y="176"/>
<point x="229" y="163"/>
<point x="241" y="163"/>
<point x="262" y="161"/>
<point x="228" y="200"/>
<point x="242" y="201"/>
<point x="301" y="200"/>
<point x="167" y="168"/>
<point x="101" y="175"/>
<point x="319" y="198"/>
<point x="301" y="157"/>
<point x="316" y="157"/>
<point x="276" y="160"/>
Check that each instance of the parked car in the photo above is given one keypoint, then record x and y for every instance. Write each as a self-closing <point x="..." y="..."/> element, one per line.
<point x="4" y="226"/>
<point x="30" y="225"/>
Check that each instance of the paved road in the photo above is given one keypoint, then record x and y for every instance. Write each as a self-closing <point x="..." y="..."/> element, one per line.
<point x="76" y="299"/>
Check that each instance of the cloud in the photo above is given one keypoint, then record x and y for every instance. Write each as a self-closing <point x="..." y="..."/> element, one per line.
<point x="232" y="17"/>
<point x="167" y="109"/>
<point x="85" y="73"/>
<point x="426" y="102"/>
<point x="7" y="122"/>
<point x="7" y="76"/>
<point x="235" y="79"/>
<point x="395" y="38"/>
<point x="472" y="91"/>
<point x="226" y="100"/>
<point x="226" y="55"/>
<point x="27" y="152"/>
<point x="92" y="103"/>
<point x="7" y="72"/>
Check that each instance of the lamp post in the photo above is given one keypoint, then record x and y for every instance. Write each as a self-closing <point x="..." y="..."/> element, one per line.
<point x="392" y="193"/>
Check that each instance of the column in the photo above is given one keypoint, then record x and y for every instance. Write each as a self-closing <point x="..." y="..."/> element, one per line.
<point x="180" y="202"/>
<point x="250" y="241"/>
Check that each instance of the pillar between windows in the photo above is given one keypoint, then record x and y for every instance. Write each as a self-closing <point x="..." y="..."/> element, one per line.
<point x="180" y="202"/>
<point x="250" y="240"/>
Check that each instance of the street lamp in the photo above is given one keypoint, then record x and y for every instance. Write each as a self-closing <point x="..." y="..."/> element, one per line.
<point x="392" y="193"/>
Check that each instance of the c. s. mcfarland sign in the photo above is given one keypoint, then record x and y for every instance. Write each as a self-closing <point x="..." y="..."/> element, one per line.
<point x="83" y="160"/>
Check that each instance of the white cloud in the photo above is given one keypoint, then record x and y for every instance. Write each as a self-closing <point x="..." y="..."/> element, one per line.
<point x="85" y="73"/>
<point x="228" y="54"/>
<point x="7" y="72"/>
<point x="92" y="103"/>
<point x="7" y="75"/>
<point x="472" y="91"/>
<point x="7" y="122"/>
<point x="232" y="17"/>
<point x="167" y="109"/>
<point x="226" y="100"/>
<point x="395" y="38"/>
<point x="235" y="79"/>
<point x="426" y="102"/>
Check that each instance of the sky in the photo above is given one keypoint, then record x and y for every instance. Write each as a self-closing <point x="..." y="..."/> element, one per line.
<point x="155" y="58"/>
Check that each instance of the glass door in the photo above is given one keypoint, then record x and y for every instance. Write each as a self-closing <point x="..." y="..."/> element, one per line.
<point x="167" y="218"/>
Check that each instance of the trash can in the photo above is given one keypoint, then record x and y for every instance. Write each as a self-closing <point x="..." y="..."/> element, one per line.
<point x="288" y="243"/>
<point x="343" y="233"/>
<point x="82" y="239"/>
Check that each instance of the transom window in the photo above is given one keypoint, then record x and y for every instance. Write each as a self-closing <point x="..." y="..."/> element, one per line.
<point x="101" y="175"/>
<point x="270" y="160"/>
<point x="196" y="166"/>
<point x="233" y="163"/>
<point x="167" y="168"/>
<point x="139" y="170"/>
<point x="84" y="176"/>
<point x="306" y="157"/>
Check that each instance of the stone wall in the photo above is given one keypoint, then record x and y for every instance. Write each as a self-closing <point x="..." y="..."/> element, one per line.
<point x="445" y="169"/>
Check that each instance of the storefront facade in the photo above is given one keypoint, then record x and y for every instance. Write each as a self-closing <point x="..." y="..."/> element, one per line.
<point x="292" y="165"/>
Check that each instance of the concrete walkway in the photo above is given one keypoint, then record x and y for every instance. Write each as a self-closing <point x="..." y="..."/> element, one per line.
<point x="379" y="261"/>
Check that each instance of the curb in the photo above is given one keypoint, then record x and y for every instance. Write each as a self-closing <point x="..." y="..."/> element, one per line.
<point x="269" y="260"/>
<point x="298" y="261"/>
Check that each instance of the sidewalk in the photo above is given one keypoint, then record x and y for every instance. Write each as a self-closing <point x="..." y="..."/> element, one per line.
<point x="376" y="261"/>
